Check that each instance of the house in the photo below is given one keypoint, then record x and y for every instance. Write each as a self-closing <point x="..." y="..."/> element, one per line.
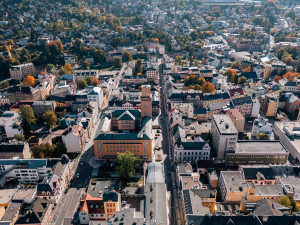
<point x="188" y="148"/>
<point x="40" y="107"/>
<point x="287" y="86"/>
<point x="269" y="104"/>
<point x="261" y="125"/>
<point x="234" y="188"/>
<point x="9" y="150"/>
<point x="91" y="94"/>
<point x="292" y="103"/>
<point x="237" y="118"/>
<point x="54" y="185"/>
<point x="19" y="93"/>
<point x="243" y="104"/>
<point x="83" y="74"/>
<point x="187" y="109"/>
<point x="152" y="75"/>
<point x="39" y="212"/>
<point x="9" y="125"/>
<point x="74" y="139"/>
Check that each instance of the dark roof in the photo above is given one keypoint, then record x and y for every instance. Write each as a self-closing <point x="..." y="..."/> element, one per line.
<point x="135" y="113"/>
<point x="11" y="148"/>
<point x="22" y="89"/>
<point x="242" y="101"/>
<point x="199" y="111"/>
<point x="216" y="96"/>
<point x="193" y="145"/>
<point x="235" y="90"/>
<point x="123" y="136"/>
<point x="251" y="173"/>
<point x="267" y="207"/>
<point x="36" y="212"/>
<point x="111" y="195"/>
<point x="249" y="75"/>
<point x="44" y="187"/>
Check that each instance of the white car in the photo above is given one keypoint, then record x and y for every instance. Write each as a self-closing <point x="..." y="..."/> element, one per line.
<point x="77" y="175"/>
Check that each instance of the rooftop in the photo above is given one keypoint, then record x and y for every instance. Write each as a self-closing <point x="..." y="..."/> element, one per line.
<point x="224" y="124"/>
<point x="260" y="147"/>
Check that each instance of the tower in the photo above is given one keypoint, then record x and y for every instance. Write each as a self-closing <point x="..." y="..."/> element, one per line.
<point x="146" y="101"/>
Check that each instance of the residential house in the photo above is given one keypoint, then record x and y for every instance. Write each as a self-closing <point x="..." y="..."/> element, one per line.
<point x="261" y="125"/>
<point x="74" y="139"/>
<point x="9" y="150"/>
<point x="269" y="104"/>
<point x="20" y="71"/>
<point x="243" y="104"/>
<point x="237" y="118"/>
<point x="40" y="107"/>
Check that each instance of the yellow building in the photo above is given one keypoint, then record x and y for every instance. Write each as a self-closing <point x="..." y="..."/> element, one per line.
<point x="107" y="146"/>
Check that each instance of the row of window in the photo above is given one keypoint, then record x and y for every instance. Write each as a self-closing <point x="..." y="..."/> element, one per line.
<point x="192" y="153"/>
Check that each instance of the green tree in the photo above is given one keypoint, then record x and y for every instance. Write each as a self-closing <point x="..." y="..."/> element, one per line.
<point x="126" y="165"/>
<point x="138" y="66"/>
<point x="42" y="151"/>
<point x="19" y="137"/>
<point x="82" y="83"/>
<point x="262" y="136"/>
<point x="49" y="67"/>
<point x="230" y="74"/>
<point x="50" y="118"/>
<point x="284" y="200"/>
<point x="117" y="63"/>
<point x="27" y="119"/>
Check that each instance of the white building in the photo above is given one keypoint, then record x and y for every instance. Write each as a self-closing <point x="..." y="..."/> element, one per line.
<point x="289" y="133"/>
<point x="20" y="71"/>
<point x="4" y="99"/>
<point x="224" y="135"/>
<point x="261" y="125"/>
<point x="187" y="109"/>
<point x="83" y="74"/>
<point x="94" y="94"/>
<point x="255" y="107"/>
<point x="188" y="149"/>
<point x="9" y="125"/>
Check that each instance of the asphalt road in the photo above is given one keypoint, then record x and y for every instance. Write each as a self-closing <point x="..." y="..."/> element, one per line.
<point x="174" y="213"/>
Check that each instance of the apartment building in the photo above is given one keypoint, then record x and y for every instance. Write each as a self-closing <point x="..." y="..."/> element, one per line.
<point x="83" y="74"/>
<point x="257" y="152"/>
<point x="20" y="71"/>
<point x="11" y="149"/>
<point x="269" y="104"/>
<point x="23" y="93"/>
<point x="224" y="135"/>
<point x="40" y="107"/>
<point x="243" y="104"/>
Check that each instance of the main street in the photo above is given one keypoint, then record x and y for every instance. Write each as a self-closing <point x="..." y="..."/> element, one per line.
<point x="66" y="208"/>
<point x="174" y="213"/>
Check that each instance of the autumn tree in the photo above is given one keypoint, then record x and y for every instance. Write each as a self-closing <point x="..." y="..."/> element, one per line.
<point x="127" y="55"/>
<point x="95" y="82"/>
<point x="208" y="87"/>
<point x="126" y="165"/>
<point x="117" y="63"/>
<point x="27" y="119"/>
<point x="54" y="47"/>
<point x="66" y="69"/>
<point x="89" y="80"/>
<point x="86" y="64"/>
<point x="291" y="76"/>
<point x="277" y="79"/>
<point x="29" y="80"/>
<point x="82" y="83"/>
<point x="50" y="118"/>
<point x="231" y="74"/>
